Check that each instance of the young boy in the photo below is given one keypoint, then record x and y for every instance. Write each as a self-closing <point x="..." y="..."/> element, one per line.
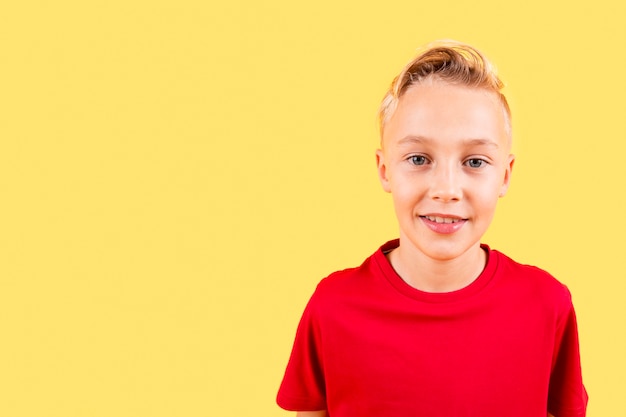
<point x="435" y="324"/>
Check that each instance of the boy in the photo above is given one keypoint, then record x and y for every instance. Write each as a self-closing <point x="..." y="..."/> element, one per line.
<point x="435" y="324"/>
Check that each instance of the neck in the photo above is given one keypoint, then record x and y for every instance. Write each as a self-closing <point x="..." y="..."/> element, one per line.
<point x="437" y="275"/>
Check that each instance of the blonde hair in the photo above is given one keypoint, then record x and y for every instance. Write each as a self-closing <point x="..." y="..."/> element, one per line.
<point x="449" y="61"/>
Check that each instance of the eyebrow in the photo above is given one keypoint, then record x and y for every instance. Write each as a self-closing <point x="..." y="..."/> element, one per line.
<point x="469" y="142"/>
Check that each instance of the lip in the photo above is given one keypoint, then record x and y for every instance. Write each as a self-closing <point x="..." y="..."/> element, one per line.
<point x="450" y="224"/>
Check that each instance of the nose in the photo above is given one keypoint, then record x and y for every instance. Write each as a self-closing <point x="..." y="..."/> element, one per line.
<point x="445" y="184"/>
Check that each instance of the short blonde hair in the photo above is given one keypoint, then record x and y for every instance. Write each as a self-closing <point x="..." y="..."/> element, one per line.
<point x="447" y="61"/>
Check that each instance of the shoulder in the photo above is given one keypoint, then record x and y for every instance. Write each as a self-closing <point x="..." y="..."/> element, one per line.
<point x="345" y="281"/>
<point x="350" y="284"/>
<point x="533" y="281"/>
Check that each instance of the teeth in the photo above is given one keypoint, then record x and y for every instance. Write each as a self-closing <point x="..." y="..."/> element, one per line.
<point x="438" y="219"/>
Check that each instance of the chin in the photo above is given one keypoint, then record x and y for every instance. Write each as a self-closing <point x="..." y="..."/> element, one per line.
<point x="444" y="255"/>
<point x="443" y="251"/>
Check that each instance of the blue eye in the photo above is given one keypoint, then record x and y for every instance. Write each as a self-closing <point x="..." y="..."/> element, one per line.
<point x="475" y="162"/>
<point x="418" y="160"/>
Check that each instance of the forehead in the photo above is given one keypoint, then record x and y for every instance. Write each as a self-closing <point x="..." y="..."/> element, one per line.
<point x="445" y="112"/>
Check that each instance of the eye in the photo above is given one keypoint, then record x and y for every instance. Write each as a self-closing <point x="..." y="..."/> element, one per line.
<point x="417" y="159"/>
<point x="475" y="162"/>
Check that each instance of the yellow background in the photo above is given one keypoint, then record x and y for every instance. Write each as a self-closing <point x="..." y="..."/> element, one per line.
<point x="176" y="176"/>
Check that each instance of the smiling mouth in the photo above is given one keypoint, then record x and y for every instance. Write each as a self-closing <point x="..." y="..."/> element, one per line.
<point x="443" y="220"/>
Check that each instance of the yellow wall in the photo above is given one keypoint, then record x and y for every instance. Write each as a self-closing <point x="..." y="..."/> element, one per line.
<point x="176" y="176"/>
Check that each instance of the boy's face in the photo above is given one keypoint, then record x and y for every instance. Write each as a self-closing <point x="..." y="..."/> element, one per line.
<point x="446" y="161"/>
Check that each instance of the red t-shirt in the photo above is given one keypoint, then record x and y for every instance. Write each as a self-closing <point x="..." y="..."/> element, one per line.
<point x="368" y="344"/>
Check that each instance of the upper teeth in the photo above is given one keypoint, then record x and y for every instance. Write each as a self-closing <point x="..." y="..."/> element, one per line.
<point x="437" y="219"/>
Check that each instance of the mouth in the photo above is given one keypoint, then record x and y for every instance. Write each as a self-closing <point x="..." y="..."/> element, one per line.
<point x="443" y="224"/>
<point x="443" y="220"/>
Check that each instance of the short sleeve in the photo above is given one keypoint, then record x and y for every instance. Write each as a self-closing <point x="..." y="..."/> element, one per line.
<point x="567" y="395"/>
<point x="303" y="387"/>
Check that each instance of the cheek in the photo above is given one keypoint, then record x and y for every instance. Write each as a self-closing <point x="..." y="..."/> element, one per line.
<point x="487" y="199"/>
<point x="491" y="184"/>
<point x="406" y="192"/>
<point x="404" y="202"/>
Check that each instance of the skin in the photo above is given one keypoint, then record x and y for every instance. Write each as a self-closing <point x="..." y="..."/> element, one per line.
<point x="445" y="155"/>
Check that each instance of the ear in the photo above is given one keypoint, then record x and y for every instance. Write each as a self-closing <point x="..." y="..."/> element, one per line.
<point x="507" y="175"/>
<point x="382" y="170"/>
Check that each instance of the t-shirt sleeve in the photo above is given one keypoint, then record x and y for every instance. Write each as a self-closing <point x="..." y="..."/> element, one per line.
<point x="567" y="395"/>
<point x="303" y="387"/>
